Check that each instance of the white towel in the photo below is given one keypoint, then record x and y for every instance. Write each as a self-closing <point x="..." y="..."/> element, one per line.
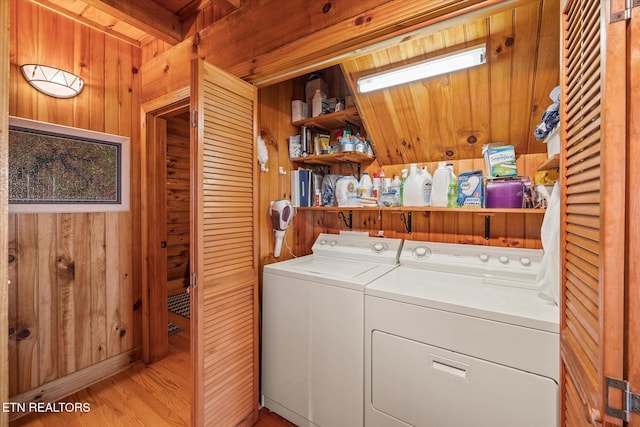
<point x="549" y="274"/>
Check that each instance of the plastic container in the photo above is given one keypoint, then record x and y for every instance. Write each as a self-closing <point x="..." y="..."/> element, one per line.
<point x="413" y="190"/>
<point x="452" y="195"/>
<point x="347" y="191"/>
<point x="440" y="187"/>
<point x="318" y="103"/>
<point x="365" y="186"/>
<point x="395" y="185"/>
<point x="405" y="173"/>
<point x="428" y="183"/>
<point x="376" y="190"/>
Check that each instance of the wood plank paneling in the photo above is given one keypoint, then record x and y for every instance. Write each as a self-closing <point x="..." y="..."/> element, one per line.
<point x="178" y="204"/>
<point x="5" y="223"/>
<point x="76" y="282"/>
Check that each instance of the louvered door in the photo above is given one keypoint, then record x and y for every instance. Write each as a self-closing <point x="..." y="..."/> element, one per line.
<point x="224" y="337"/>
<point x="593" y="226"/>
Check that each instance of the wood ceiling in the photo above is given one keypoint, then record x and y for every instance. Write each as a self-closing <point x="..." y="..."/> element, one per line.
<point x="442" y="118"/>
<point x="137" y="21"/>
<point x="451" y="116"/>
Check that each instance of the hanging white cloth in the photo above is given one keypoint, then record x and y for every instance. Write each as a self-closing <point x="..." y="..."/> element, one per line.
<point x="549" y="274"/>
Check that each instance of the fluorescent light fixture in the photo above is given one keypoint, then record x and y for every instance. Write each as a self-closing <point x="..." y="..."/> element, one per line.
<point x="442" y="64"/>
<point x="52" y="81"/>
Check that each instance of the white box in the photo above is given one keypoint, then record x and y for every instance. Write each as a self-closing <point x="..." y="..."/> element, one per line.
<point x="299" y="110"/>
<point x="553" y="141"/>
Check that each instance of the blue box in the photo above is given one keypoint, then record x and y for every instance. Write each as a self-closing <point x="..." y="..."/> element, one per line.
<point x="470" y="189"/>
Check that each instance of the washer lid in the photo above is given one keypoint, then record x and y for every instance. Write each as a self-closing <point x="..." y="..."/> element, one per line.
<point x="474" y="296"/>
<point x="346" y="273"/>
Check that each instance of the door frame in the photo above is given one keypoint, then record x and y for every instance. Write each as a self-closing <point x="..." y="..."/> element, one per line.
<point x="155" y="343"/>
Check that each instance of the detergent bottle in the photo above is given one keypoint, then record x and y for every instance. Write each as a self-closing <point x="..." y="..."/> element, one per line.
<point x="440" y="187"/>
<point x="413" y="191"/>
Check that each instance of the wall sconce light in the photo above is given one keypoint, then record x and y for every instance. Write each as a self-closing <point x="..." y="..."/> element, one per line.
<point x="52" y="81"/>
<point x="431" y="67"/>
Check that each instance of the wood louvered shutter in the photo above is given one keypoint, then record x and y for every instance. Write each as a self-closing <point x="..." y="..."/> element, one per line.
<point x="593" y="212"/>
<point x="223" y="248"/>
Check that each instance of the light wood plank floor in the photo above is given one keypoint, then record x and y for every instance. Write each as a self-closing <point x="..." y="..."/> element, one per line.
<point x="153" y="395"/>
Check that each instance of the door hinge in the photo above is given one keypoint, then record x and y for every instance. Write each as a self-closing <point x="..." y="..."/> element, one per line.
<point x="194" y="118"/>
<point x="194" y="280"/>
<point x="630" y="401"/>
<point x="625" y="14"/>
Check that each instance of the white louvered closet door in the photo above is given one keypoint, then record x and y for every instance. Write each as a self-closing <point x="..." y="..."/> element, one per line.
<point x="593" y="171"/>
<point x="225" y="334"/>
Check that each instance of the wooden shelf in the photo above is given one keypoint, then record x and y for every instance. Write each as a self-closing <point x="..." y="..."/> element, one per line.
<point x="480" y="211"/>
<point x="332" y="120"/>
<point x="552" y="163"/>
<point x="329" y="159"/>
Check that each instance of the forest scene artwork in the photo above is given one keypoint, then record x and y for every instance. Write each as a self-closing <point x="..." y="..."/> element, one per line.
<point x="64" y="170"/>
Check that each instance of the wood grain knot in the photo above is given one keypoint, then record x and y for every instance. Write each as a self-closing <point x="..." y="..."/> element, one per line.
<point x="23" y="334"/>
<point x="326" y="8"/>
<point x="359" y="20"/>
<point x="12" y="258"/>
<point x="472" y="139"/>
<point x="166" y="68"/>
<point x="509" y="41"/>
<point x="122" y="333"/>
<point x="449" y="153"/>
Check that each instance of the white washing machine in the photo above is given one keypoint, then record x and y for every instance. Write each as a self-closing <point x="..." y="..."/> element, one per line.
<point x="458" y="336"/>
<point x="313" y="329"/>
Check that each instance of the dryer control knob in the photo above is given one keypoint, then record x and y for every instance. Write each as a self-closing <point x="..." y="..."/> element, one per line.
<point x="333" y="242"/>
<point x="504" y="259"/>
<point x="378" y="247"/>
<point x="421" y="251"/>
<point x="323" y="241"/>
<point x="484" y="257"/>
<point x="525" y="261"/>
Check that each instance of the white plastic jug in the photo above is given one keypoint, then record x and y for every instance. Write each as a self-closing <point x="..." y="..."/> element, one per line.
<point x="440" y="186"/>
<point x="365" y="186"/>
<point x="413" y="189"/>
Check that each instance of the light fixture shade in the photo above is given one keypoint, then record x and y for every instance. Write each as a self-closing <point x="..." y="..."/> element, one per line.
<point x="52" y="81"/>
<point x="431" y="67"/>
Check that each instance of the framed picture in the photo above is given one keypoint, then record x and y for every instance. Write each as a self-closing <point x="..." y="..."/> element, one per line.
<point x="54" y="168"/>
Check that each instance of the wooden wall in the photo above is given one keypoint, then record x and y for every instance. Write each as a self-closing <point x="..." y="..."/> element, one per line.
<point x="178" y="204"/>
<point x="520" y="230"/>
<point x="75" y="297"/>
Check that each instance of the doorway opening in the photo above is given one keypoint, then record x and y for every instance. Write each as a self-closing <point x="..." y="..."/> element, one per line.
<point x="167" y="220"/>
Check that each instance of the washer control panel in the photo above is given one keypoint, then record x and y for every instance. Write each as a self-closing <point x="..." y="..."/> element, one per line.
<point x="360" y="247"/>
<point x="484" y="261"/>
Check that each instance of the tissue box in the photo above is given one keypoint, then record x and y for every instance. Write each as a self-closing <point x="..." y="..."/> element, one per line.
<point x="500" y="160"/>
<point x="504" y="194"/>
<point x="470" y="189"/>
<point x="299" y="110"/>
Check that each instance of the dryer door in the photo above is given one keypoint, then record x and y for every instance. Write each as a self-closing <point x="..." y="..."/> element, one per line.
<point x="422" y="385"/>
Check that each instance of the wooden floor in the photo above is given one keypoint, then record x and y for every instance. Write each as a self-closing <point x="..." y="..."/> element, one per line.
<point x="154" y="395"/>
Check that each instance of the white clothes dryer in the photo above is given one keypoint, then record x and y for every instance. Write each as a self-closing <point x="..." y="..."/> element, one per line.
<point x="313" y="329"/>
<point x="458" y="336"/>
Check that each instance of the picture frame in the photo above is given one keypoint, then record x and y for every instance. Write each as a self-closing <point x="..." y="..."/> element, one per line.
<point x="62" y="169"/>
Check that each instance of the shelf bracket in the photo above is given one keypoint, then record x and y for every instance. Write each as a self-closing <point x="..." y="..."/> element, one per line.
<point x="406" y="221"/>
<point x="487" y="227"/>
<point x="353" y="172"/>
<point x="349" y="222"/>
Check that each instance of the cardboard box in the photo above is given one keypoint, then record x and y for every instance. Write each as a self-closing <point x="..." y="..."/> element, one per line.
<point x="470" y="189"/>
<point x="299" y="110"/>
<point x="499" y="160"/>
<point x="312" y="85"/>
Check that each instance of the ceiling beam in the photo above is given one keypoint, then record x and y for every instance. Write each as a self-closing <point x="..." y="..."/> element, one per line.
<point x="227" y="6"/>
<point x="146" y="15"/>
